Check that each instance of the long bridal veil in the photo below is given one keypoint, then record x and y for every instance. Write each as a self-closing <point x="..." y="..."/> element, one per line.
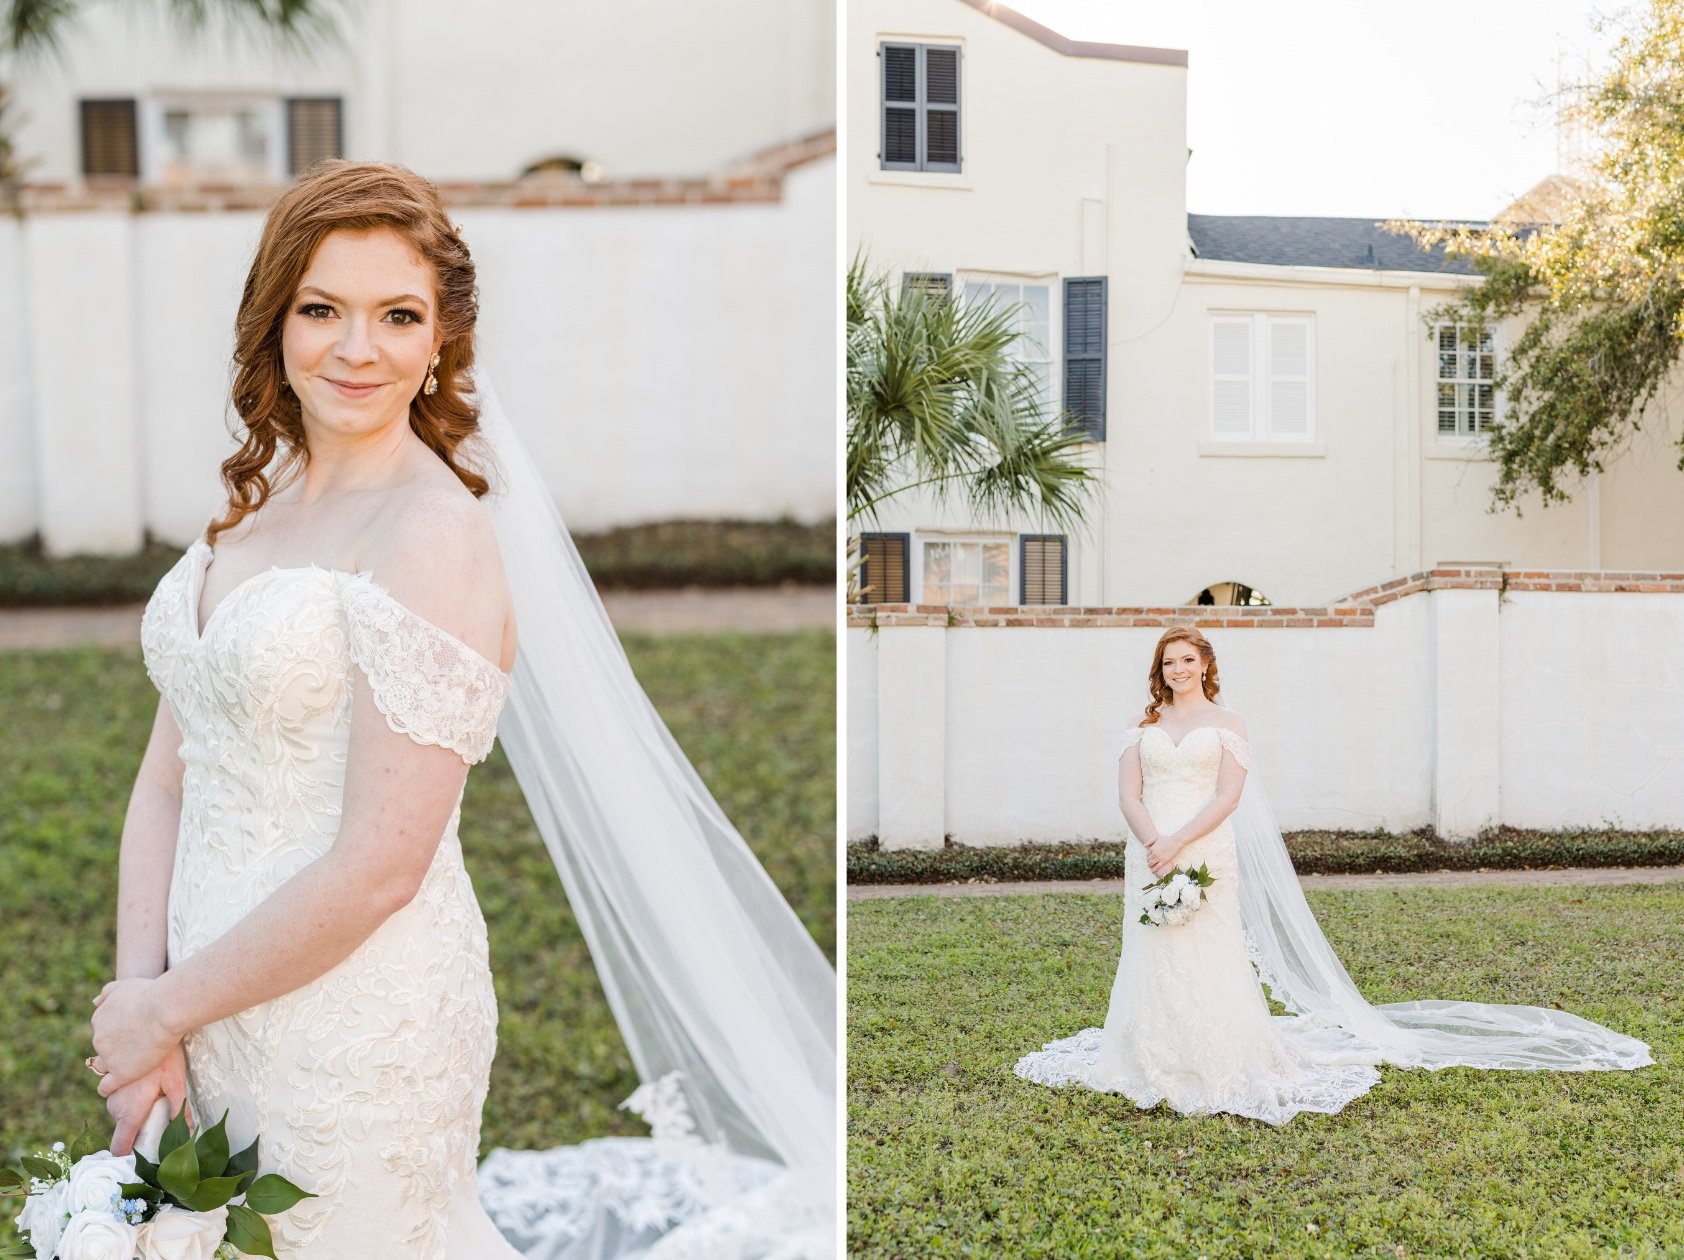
<point x="1294" y="959"/>
<point x="727" y="1005"/>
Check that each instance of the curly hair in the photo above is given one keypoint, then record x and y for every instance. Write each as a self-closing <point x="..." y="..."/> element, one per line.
<point x="1161" y="693"/>
<point x="339" y="195"/>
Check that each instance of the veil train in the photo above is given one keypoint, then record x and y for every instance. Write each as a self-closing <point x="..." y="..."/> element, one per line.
<point x="726" y="1003"/>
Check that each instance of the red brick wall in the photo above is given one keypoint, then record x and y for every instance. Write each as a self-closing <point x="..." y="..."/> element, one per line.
<point x="1356" y="609"/>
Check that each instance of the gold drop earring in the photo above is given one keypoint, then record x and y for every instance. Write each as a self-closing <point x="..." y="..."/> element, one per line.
<point x="432" y="384"/>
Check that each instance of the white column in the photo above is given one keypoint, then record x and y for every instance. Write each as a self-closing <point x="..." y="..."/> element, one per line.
<point x="1467" y="692"/>
<point x="81" y="317"/>
<point x="912" y="737"/>
<point x="17" y="432"/>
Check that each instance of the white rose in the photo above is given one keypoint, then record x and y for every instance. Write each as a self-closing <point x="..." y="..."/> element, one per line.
<point x="1156" y="914"/>
<point x="1190" y="895"/>
<point x="177" y="1234"/>
<point x="97" y="1235"/>
<point x="95" y="1178"/>
<point x="1178" y="885"/>
<point x="44" y="1215"/>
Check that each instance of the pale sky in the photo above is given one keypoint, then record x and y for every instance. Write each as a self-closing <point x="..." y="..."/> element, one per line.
<point x="1428" y="109"/>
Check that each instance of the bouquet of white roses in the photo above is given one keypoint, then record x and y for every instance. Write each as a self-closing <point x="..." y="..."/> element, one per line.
<point x="1172" y="899"/>
<point x="197" y="1202"/>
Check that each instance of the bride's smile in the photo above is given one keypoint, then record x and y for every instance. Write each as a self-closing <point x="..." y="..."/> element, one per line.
<point x="359" y="336"/>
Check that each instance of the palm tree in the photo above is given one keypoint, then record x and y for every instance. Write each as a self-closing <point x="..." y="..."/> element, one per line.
<point x="937" y="403"/>
<point x="34" y="27"/>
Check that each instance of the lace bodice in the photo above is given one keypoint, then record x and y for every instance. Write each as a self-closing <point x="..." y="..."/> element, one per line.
<point x="366" y="1084"/>
<point x="1178" y="779"/>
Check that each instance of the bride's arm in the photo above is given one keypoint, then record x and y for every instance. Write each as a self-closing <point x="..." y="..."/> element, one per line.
<point x="1130" y="796"/>
<point x="146" y="854"/>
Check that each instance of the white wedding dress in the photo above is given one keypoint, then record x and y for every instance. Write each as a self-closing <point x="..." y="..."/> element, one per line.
<point x="1188" y="1024"/>
<point x="366" y="1085"/>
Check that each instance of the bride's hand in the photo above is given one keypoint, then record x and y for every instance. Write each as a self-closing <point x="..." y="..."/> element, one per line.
<point x="132" y="1103"/>
<point x="1160" y="854"/>
<point x="130" y="1036"/>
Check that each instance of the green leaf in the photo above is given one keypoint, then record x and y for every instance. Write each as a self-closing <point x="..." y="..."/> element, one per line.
<point x="175" y="1134"/>
<point x="141" y="1190"/>
<point x="179" y="1173"/>
<point x="249" y="1232"/>
<point x="85" y="1144"/>
<point x="11" y="1177"/>
<point x="213" y="1192"/>
<point x="274" y="1193"/>
<point x="146" y="1168"/>
<point x="245" y="1161"/>
<point x="212" y="1149"/>
<point x="44" y="1169"/>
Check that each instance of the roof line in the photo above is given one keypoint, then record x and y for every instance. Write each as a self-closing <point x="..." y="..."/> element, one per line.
<point x="1075" y="47"/>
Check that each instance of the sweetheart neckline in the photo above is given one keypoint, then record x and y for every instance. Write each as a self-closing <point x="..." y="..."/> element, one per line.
<point x="196" y="590"/>
<point x="1208" y="726"/>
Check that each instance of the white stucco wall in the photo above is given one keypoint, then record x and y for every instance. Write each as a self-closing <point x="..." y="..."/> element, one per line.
<point x="644" y="86"/>
<point x="1454" y="710"/>
<point x="661" y="361"/>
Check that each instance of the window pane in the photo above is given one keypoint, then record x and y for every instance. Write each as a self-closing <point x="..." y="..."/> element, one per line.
<point x="900" y="135"/>
<point x="941" y="75"/>
<point x="900" y="74"/>
<point x="942" y="143"/>
<point x="938" y="570"/>
<point x="996" y="570"/>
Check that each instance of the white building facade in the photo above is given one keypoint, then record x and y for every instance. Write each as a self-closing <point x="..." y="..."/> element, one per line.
<point x="1276" y="423"/>
<point x="1265" y="393"/>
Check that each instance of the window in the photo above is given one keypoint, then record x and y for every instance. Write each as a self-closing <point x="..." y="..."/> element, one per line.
<point x="920" y="123"/>
<point x="110" y="140"/>
<point x="233" y="139"/>
<point x="932" y="284"/>
<point x="883" y="572"/>
<point x="1043" y="569"/>
<point x="1467" y="372"/>
<point x="1262" y="378"/>
<point x="1084" y="353"/>
<point x="1232" y="594"/>
<point x="966" y="571"/>
<point x="315" y="130"/>
<point x="1030" y="312"/>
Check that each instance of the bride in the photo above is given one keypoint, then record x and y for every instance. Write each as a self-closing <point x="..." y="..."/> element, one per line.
<point x="298" y="943"/>
<point x="1187" y="1023"/>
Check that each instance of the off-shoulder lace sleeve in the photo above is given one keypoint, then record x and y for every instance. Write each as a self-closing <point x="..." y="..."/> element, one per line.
<point x="429" y="684"/>
<point x="1131" y="737"/>
<point x="1235" y="744"/>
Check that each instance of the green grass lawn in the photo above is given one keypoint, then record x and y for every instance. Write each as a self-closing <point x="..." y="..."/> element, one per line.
<point x="950" y="1154"/>
<point x="755" y="713"/>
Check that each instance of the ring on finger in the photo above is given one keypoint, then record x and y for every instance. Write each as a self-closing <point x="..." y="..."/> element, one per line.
<point x="93" y="1066"/>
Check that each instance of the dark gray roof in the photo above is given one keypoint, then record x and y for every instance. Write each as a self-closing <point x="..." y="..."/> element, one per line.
<point x="1290" y="241"/>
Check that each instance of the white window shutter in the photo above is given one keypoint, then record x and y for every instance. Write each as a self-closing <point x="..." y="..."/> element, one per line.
<point x="1231" y="377"/>
<point x="1289" y="377"/>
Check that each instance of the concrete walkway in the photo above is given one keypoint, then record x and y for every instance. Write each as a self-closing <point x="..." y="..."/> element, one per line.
<point x="1424" y="879"/>
<point x="692" y="610"/>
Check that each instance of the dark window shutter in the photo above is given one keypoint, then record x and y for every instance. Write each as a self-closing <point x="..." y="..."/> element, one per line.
<point x="1044" y="568"/>
<point x="315" y="130"/>
<point x="884" y="575"/>
<point x="110" y="140"/>
<point x="941" y="109"/>
<point x="932" y="284"/>
<point x="920" y="103"/>
<point x="1084" y="353"/>
<point x="900" y="107"/>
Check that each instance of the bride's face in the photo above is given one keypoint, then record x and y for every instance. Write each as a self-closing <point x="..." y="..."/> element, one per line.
<point x="1183" y="668"/>
<point x="360" y="333"/>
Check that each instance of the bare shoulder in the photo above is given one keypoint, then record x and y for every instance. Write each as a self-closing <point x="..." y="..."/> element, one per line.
<point x="1232" y="721"/>
<point x="434" y="549"/>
